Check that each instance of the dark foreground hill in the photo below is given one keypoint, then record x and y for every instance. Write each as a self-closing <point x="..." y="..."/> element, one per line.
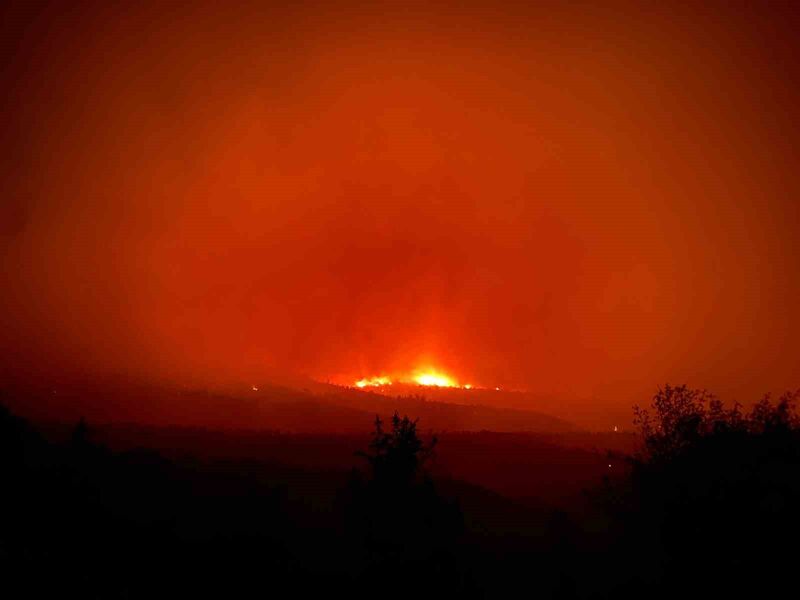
<point x="127" y="511"/>
<point x="537" y="469"/>
<point x="707" y="507"/>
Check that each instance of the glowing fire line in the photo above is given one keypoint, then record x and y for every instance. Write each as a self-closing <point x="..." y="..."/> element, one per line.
<point x="373" y="382"/>
<point x="422" y="377"/>
<point x="434" y="379"/>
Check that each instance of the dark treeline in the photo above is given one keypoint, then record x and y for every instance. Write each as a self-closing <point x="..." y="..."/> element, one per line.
<point x="708" y="506"/>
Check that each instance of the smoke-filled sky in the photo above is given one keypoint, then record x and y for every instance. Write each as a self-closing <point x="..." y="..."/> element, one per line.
<point x="573" y="199"/>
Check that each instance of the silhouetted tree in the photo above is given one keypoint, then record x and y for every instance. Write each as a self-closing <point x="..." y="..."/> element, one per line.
<point x="396" y="457"/>
<point x="20" y="444"/>
<point x="713" y="495"/>
<point x="80" y="434"/>
<point x="395" y="511"/>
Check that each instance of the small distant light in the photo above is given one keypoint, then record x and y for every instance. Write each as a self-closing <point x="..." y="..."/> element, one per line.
<point x="255" y="388"/>
<point x="609" y="466"/>
<point x="615" y="428"/>
<point x="468" y="387"/>
<point x="497" y="389"/>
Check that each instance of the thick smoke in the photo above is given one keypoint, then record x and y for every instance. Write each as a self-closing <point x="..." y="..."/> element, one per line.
<point x="547" y="199"/>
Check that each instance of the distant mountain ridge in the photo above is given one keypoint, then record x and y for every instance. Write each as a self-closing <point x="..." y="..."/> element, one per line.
<point x="326" y="409"/>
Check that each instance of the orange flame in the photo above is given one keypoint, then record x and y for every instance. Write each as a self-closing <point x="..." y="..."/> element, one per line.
<point x="435" y="379"/>
<point x="422" y="377"/>
<point x="373" y="382"/>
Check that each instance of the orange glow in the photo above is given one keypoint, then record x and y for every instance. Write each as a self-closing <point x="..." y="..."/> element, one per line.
<point x="435" y="379"/>
<point x="373" y="382"/>
<point x="423" y="377"/>
<point x="554" y="197"/>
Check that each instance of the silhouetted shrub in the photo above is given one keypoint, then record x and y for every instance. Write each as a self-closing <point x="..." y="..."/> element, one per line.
<point x="713" y="496"/>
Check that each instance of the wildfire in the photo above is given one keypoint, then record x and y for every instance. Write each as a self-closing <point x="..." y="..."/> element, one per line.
<point x="373" y="382"/>
<point x="435" y="379"/>
<point x="422" y="377"/>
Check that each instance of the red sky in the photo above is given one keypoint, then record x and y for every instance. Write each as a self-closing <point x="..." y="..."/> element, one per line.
<point x="579" y="201"/>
